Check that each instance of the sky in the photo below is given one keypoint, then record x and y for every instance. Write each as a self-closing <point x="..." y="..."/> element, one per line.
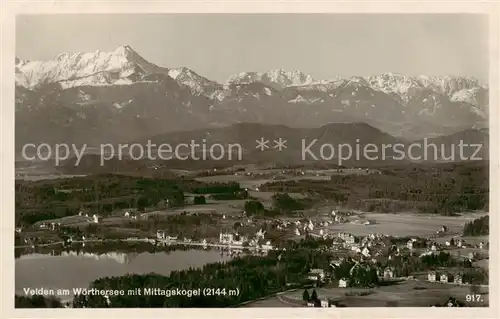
<point x="322" y="45"/>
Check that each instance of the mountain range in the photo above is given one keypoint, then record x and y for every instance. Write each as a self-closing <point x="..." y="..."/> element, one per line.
<point x="108" y="97"/>
<point x="246" y="135"/>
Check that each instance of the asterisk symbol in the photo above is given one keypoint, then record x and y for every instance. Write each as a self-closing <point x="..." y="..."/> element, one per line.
<point x="280" y="144"/>
<point x="262" y="144"/>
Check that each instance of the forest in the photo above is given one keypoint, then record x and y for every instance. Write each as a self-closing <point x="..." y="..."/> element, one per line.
<point x="478" y="227"/>
<point x="439" y="189"/>
<point x="50" y="199"/>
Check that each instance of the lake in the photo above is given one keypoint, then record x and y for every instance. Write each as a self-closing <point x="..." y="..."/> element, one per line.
<point x="77" y="270"/>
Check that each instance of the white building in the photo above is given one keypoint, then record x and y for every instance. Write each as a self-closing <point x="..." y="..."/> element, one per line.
<point x="335" y="263"/>
<point x="267" y="246"/>
<point x="347" y="238"/>
<point x="324" y="303"/>
<point x="316" y="274"/>
<point x="409" y="244"/>
<point x="160" y="234"/>
<point x="260" y="234"/>
<point x="365" y="252"/>
<point x="471" y="256"/>
<point x="443" y="278"/>
<point x="310" y="226"/>
<point x="343" y="283"/>
<point x="95" y="219"/>
<point x="226" y="238"/>
<point x="431" y="276"/>
<point x="388" y="273"/>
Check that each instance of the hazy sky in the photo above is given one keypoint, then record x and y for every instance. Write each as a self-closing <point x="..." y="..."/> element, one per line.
<point x="323" y="45"/>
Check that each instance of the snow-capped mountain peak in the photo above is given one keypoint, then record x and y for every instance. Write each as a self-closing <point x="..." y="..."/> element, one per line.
<point x="276" y="78"/>
<point x="85" y="68"/>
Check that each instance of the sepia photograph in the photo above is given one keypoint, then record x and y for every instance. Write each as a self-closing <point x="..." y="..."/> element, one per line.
<point x="227" y="160"/>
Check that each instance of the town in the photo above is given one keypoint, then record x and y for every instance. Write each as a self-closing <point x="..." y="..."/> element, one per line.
<point x="426" y="259"/>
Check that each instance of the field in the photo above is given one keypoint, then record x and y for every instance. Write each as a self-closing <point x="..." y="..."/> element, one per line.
<point x="252" y="182"/>
<point x="409" y="293"/>
<point x="225" y="207"/>
<point x="406" y="224"/>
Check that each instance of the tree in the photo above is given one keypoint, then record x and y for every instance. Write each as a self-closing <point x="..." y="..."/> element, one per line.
<point x="199" y="200"/>
<point x="254" y="207"/>
<point x="283" y="202"/>
<point x="305" y="295"/>
<point x="314" y="295"/>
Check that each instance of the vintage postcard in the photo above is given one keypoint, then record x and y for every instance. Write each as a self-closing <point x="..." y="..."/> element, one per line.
<point x="289" y="160"/>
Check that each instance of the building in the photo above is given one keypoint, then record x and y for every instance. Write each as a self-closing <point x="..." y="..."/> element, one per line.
<point x="316" y="274"/>
<point x="324" y="303"/>
<point x="260" y="234"/>
<point x="42" y="225"/>
<point x="365" y="252"/>
<point x="310" y="225"/>
<point x="443" y="278"/>
<point x="481" y="245"/>
<point x="347" y="238"/>
<point x="226" y="238"/>
<point x="160" y="234"/>
<point x="267" y="246"/>
<point x="431" y="276"/>
<point x="388" y="273"/>
<point x="457" y="279"/>
<point x="95" y="219"/>
<point x="409" y="244"/>
<point x="130" y="214"/>
<point x="335" y="262"/>
<point x="343" y="283"/>
<point x="433" y="247"/>
<point x="238" y="240"/>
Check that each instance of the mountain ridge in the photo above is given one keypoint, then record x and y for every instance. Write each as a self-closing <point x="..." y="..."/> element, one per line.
<point x="90" y="94"/>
